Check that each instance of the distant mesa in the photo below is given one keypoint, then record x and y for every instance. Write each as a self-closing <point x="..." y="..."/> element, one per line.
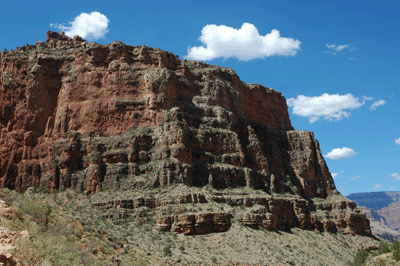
<point x="375" y="200"/>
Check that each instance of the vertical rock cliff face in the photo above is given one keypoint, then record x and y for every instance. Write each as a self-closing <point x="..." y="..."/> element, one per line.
<point x="90" y="116"/>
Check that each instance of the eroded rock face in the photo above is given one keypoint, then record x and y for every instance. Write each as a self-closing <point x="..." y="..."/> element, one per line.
<point x="198" y="223"/>
<point x="213" y="211"/>
<point x="90" y="116"/>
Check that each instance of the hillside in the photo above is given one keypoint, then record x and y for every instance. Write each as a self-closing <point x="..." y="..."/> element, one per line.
<point x="76" y="233"/>
<point x="144" y="151"/>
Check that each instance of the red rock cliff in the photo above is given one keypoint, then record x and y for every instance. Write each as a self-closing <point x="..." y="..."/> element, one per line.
<point x="84" y="115"/>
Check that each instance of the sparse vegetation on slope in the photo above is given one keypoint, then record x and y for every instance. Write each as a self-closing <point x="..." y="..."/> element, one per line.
<point x="55" y="237"/>
<point x="68" y="230"/>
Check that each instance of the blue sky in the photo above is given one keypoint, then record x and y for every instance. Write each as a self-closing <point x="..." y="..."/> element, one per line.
<point x="337" y="62"/>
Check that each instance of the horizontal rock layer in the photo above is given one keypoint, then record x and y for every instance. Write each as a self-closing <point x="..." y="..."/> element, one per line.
<point x="256" y="210"/>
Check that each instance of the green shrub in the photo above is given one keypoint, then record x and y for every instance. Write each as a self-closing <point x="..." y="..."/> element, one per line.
<point x="214" y="259"/>
<point x="383" y="248"/>
<point x="167" y="250"/>
<point x="360" y="257"/>
<point x="396" y="250"/>
<point x="182" y="248"/>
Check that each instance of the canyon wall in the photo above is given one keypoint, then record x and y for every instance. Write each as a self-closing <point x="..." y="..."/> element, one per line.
<point x="91" y="117"/>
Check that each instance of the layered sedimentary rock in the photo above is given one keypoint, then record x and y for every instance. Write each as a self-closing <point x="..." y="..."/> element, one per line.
<point x="91" y="117"/>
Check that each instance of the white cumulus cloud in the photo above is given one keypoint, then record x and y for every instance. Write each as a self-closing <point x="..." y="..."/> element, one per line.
<point x="397" y="141"/>
<point x="341" y="153"/>
<point x="395" y="176"/>
<point x="245" y="43"/>
<point x="377" y="186"/>
<point x="334" y="175"/>
<point x="329" y="106"/>
<point x="91" y="26"/>
<point x="376" y="104"/>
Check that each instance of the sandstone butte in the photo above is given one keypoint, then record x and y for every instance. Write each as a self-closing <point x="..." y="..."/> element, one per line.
<point x="88" y="116"/>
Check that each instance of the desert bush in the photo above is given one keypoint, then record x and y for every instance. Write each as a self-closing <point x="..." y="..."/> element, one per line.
<point x="396" y="250"/>
<point x="360" y="257"/>
<point x="167" y="250"/>
<point x="383" y="248"/>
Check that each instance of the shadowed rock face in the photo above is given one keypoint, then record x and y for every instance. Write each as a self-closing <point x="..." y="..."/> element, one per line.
<point x="90" y="116"/>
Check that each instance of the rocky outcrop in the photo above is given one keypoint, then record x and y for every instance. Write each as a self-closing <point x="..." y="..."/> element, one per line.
<point x="329" y="217"/>
<point x="91" y="117"/>
<point x="197" y="223"/>
<point x="195" y="213"/>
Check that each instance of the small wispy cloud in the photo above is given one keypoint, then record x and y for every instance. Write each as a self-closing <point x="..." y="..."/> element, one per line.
<point x="331" y="107"/>
<point x="377" y="186"/>
<point x="367" y="98"/>
<point x="397" y="141"/>
<point x="245" y="43"/>
<point x="391" y="188"/>
<point x="89" y="26"/>
<point x="333" y="48"/>
<point x="376" y="104"/>
<point x="341" y="153"/>
<point x="337" y="48"/>
<point x="354" y="177"/>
